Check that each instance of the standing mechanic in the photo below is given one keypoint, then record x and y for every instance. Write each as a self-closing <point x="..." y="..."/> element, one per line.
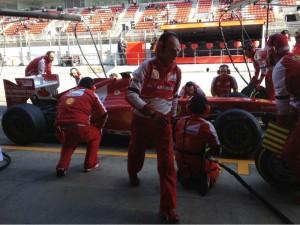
<point x="75" y="73"/>
<point x="259" y="64"/>
<point x="41" y="65"/>
<point x="193" y="134"/>
<point x="224" y="83"/>
<point x="277" y="46"/>
<point x="286" y="79"/>
<point x="153" y="95"/>
<point x="80" y="117"/>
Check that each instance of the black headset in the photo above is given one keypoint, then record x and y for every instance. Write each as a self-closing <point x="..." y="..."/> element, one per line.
<point x="74" y="68"/>
<point x="164" y="37"/>
<point x="224" y="65"/>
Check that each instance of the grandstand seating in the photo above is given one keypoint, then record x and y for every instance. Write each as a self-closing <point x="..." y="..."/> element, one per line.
<point x="154" y="15"/>
<point x="158" y="13"/>
<point x="287" y="2"/>
<point x="34" y="26"/>
<point x="248" y="12"/>
<point x="98" y="19"/>
<point x="204" y="6"/>
<point x="131" y="11"/>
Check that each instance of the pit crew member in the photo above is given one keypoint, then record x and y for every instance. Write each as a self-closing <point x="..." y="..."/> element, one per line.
<point x="80" y="117"/>
<point x="153" y="95"/>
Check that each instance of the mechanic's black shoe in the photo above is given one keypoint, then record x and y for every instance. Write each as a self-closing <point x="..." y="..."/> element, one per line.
<point x="134" y="180"/>
<point x="169" y="217"/>
<point x="61" y="172"/>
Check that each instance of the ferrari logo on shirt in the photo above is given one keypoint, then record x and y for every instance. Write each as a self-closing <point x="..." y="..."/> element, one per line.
<point x="193" y="129"/>
<point x="70" y="101"/>
<point x="155" y="74"/>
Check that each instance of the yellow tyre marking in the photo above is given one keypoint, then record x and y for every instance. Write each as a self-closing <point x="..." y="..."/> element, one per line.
<point x="242" y="165"/>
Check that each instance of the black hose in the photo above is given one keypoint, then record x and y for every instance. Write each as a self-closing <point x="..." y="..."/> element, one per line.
<point x="226" y="47"/>
<point x="278" y="213"/>
<point x="243" y="31"/>
<point x="7" y="161"/>
<point x="76" y="38"/>
<point x="94" y="43"/>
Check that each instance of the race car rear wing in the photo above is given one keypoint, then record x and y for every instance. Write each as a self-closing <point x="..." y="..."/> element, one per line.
<point x="27" y="87"/>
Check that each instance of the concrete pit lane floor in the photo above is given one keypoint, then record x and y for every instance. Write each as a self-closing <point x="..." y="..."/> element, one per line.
<point x="31" y="193"/>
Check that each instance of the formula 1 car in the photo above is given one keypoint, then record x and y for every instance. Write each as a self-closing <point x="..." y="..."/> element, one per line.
<point x="31" y="110"/>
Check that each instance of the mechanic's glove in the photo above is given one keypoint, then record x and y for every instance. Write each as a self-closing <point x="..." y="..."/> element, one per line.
<point x="174" y="121"/>
<point x="60" y="134"/>
<point x="147" y="110"/>
<point x="160" y="119"/>
<point x="102" y="121"/>
<point x="99" y="122"/>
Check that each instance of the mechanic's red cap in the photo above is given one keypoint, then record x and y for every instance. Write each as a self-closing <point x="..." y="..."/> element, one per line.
<point x="278" y="41"/>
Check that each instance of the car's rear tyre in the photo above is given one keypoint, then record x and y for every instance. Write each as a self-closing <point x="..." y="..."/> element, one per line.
<point x="23" y="123"/>
<point x="239" y="132"/>
<point x="274" y="170"/>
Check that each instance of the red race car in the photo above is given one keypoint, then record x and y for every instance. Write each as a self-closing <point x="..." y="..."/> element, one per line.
<point x="239" y="121"/>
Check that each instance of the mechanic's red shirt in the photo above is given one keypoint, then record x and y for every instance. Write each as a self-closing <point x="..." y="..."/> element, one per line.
<point x="222" y="85"/>
<point x="40" y="65"/>
<point x="156" y="85"/>
<point x="287" y="68"/>
<point x="160" y="81"/>
<point x="78" y="106"/>
<point x="193" y="133"/>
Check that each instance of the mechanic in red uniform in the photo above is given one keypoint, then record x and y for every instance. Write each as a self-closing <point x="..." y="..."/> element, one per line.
<point x="41" y="65"/>
<point x="153" y="96"/>
<point x="193" y="134"/>
<point x="287" y="93"/>
<point x="296" y="48"/>
<point x="224" y="84"/>
<point x="279" y="44"/>
<point x="262" y="70"/>
<point x="258" y="57"/>
<point x="80" y="117"/>
<point x="191" y="89"/>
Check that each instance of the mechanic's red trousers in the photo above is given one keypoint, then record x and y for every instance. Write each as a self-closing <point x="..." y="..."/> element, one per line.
<point x="291" y="151"/>
<point x="191" y="166"/>
<point x="72" y="135"/>
<point x="143" y="132"/>
<point x="269" y="85"/>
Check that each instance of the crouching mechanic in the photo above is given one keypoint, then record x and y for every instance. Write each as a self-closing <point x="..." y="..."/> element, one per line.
<point x="193" y="134"/>
<point x="153" y="95"/>
<point x="223" y="84"/>
<point x="191" y="89"/>
<point x="286" y="79"/>
<point x="80" y="117"/>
